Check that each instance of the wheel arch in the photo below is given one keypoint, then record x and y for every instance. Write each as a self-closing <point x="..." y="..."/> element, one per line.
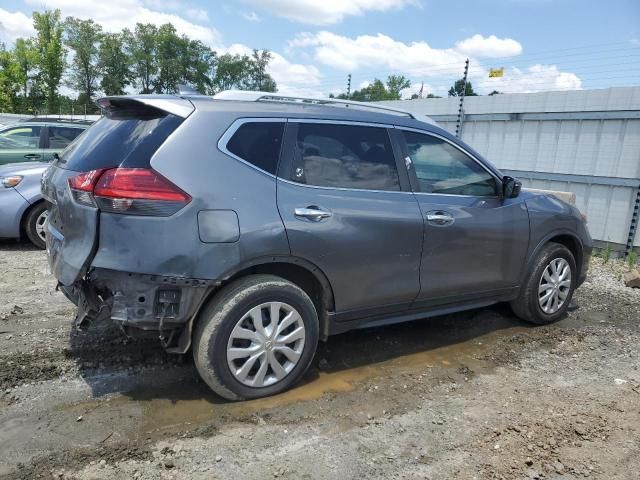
<point x="564" y="237"/>
<point x="25" y="215"/>
<point x="297" y="270"/>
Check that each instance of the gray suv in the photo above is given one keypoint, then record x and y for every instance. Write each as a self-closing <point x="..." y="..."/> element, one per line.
<point x="249" y="226"/>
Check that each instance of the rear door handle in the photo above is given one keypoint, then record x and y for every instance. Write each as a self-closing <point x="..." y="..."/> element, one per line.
<point x="32" y="156"/>
<point x="312" y="213"/>
<point x="439" y="218"/>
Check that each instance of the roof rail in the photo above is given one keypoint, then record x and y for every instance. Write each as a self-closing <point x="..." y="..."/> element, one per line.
<point x="251" y="96"/>
<point x="57" y="120"/>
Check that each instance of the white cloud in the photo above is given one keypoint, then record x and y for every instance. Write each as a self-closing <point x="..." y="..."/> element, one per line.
<point x="380" y="51"/>
<point x="489" y="47"/>
<point x="14" y="25"/>
<point x="197" y="14"/>
<point x="379" y="55"/>
<point x="251" y="17"/>
<point x="536" y="78"/>
<point x="325" y="12"/>
<point x="115" y="15"/>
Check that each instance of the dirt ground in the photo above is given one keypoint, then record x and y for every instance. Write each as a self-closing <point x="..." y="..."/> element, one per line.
<point x="472" y="395"/>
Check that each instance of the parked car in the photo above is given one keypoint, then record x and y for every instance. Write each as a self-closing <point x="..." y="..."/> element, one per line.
<point x="249" y="226"/>
<point x="38" y="139"/>
<point x="23" y="212"/>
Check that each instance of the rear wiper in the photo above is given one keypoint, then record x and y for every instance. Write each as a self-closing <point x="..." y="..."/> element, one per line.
<point x="56" y="158"/>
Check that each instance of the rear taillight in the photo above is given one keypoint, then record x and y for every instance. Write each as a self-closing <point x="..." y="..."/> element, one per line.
<point x="134" y="191"/>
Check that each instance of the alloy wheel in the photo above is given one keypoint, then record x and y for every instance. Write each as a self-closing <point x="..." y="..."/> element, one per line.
<point x="41" y="223"/>
<point x="554" y="285"/>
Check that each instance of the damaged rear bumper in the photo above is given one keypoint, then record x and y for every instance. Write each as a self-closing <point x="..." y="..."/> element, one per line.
<point x="137" y="302"/>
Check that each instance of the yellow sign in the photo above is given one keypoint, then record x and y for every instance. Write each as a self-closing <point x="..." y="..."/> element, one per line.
<point x="496" y="72"/>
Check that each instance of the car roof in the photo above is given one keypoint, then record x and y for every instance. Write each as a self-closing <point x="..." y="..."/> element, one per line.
<point x="334" y="112"/>
<point x="57" y="121"/>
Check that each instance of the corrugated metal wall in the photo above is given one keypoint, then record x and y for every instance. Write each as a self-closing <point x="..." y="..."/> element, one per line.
<point x="586" y="142"/>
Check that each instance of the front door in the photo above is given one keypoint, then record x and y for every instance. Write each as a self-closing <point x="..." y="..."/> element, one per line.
<point x="348" y="210"/>
<point x="475" y="242"/>
<point x="20" y="143"/>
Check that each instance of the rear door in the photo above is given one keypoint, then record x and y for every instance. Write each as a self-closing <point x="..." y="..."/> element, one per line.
<point x="348" y="210"/>
<point x="475" y="242"/>
<point x="20" y="143"/>
<point x="57" y="138"/>
<point x="127" y="136"/>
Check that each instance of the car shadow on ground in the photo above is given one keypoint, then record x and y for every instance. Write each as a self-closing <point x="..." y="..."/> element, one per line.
<point x="141" y="370"/>
<point x="9" y="244"/>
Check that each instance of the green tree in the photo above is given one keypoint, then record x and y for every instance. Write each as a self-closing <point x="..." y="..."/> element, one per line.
<point x="50" y="53"/>
<point x="231" y="71"/>
<point x="495" y="92"/>
<point x="395" y="85"/>
<point x="458" y="86"/>
<point x="257" y="76"/>
<point x="83" y="39"/>
<point x="143" y="50"/>
<point x="198" y="66"/>
<point x="169" y="49"/>
<point x="377" y="91"/>
<point x="9" y="80"/>
<point x="27" y="58"/>
<point x="114" y="63"/>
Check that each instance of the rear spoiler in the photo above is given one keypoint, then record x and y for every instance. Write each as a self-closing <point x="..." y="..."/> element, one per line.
<point x="178" y="106"/>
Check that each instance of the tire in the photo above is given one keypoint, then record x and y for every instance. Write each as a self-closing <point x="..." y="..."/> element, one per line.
<point x="34" y="224"/>
<point x="229" y="314"/>
<point x="529" y="304"/>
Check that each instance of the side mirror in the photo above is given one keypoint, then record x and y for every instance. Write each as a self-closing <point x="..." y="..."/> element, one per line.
<point x="510" y="187"/>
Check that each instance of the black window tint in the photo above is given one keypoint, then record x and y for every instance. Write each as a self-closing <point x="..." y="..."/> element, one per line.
<point x="126" y="138"/>
<point x="344" y="156"/>
<point x="258" y="143"/>
<point x="442" y="168"/>
<point x="60" y="137"/>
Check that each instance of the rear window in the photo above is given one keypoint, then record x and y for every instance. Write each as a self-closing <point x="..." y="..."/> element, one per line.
<point x="126" y="138"/>
<point x="345" y="156"/>
<point x="259" y="144"/>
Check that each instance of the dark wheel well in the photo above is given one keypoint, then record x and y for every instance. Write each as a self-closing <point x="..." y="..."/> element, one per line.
<point x="25" y="215"/>
<point x="314" y="284"/>
<point x="573" y="245"/>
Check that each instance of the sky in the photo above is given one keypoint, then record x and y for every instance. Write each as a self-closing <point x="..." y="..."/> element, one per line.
<point x="542" y="45"/>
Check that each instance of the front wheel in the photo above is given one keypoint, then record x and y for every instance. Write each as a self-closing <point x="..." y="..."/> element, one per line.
<point x="255" y="338"/>
<point x="547" y="291"/>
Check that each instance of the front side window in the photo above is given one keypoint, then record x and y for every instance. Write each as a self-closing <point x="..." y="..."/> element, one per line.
<point x="344" y="156"/>
<point x="60" y="137"/>
<point x="442" y="168"/>
<point x="259" y="144"/>
<point x="20" y="138"/>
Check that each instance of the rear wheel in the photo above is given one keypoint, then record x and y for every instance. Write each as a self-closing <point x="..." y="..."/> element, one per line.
<point x="35" y="224"/>
<point x="547" y="292"/>
<point x="255" y="338"/>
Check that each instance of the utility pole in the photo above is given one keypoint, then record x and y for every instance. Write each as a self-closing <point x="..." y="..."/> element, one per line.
<point x="460" y="109"/>
<point x="349" y="86"/>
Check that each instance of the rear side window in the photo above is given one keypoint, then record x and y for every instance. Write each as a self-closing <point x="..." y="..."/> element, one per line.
<point x="124" y="137"/>
<point x="258" y="143"/>
<point x="344" y="156"/>
<point x="60" y="137"/>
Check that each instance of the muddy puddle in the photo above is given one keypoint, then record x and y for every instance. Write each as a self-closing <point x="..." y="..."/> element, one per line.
<point x="344" y="362"/>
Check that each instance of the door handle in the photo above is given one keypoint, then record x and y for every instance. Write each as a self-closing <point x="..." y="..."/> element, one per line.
<point x="440" y="219"/>
<point x="32" y="155"/>
<point x="312" y="213"/>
